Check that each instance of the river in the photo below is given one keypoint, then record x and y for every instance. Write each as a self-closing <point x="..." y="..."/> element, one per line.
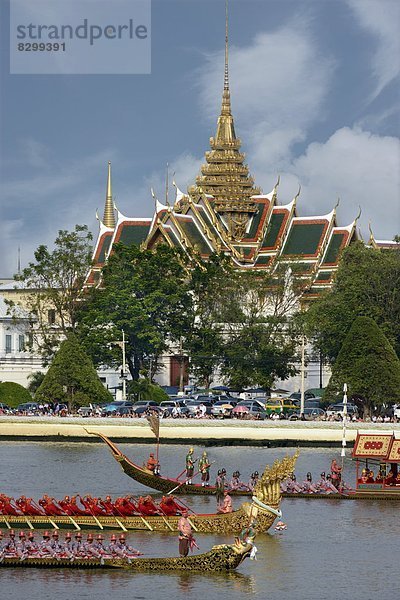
<point x="331" y="549"/>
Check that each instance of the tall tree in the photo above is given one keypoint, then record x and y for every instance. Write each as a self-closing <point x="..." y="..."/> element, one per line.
<point x="260" y="342"/>
<point x="72" y="378"/>
<point x="367" y="284"/>
<point x="145" y="294"/>
<point x="53" y="285"/>
<point x="211" y="285"/>
<point x="368" y="364"/>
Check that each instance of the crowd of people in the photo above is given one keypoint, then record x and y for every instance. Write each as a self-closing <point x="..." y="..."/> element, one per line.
<point x="70" y="548"/>
<point x="331" y="483"/>
<point x="73" y="506"/>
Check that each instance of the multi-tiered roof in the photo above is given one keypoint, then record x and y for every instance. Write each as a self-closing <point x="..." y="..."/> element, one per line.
<point x="225" y="212"/>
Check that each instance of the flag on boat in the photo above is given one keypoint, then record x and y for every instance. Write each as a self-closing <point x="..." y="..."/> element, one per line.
<point x="154" y="422"/>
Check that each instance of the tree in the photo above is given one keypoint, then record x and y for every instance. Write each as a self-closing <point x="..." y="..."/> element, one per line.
<point x="367" y="284"/>
<point x="72" y="378"/>
<point x="54" y="284"/>
<point x="211" y="288"/>
<point x="145" y="390"/>
<point x="144" y="293"/>
<point x="260" y="341"/>
<point x="35" y="380"/>
<point x="252" y="357"/>
<point x="12" y="394"/>
<point x="242" y="322"/>
<point x="368" y="364"/>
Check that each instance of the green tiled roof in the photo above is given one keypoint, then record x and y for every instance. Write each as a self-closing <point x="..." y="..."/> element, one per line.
<point x="194" y="236"/>
<point x="274" y="225"/>
<point x="246" y="250"/>
<point x="325" y="276"/>
<point x="263" y="260"/>
<point x="134" y="234"/>
<point x="255" y="221"/>
<point x="332" y="253"/>
<point x="206" y="219"/>
<point x="304" y="238"/>
<point x="104" y="249"/>
<point x="172" y="237"/>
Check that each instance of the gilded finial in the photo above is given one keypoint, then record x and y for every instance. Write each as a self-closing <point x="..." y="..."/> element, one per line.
<point x="109" y="216"/>
<point x="298" y="193"/>
<point x="226" y="74"/>
<point x="359" y="215"/>
<point x="277" y="182"/>
<point x="337" y="204"/>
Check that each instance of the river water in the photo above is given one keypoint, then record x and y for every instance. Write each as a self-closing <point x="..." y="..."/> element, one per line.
<point x="331" y="549"/>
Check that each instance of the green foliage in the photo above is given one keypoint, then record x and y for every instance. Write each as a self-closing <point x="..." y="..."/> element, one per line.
<point x="252" y="357"/>
<point x="56" y="281"/>
<point x="369" y="366"/>
<point x="143" y="389"/>
<point x="35" y="380"/>
<point x="212" y="284"/>
<point x="367" y="284"/>
<point x="72" y="378"/>
<point x="13" y="394"/>
<point x="145" y="294"/>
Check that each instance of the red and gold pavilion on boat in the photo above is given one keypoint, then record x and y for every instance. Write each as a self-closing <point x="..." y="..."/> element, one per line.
<point x="379" y="451"/>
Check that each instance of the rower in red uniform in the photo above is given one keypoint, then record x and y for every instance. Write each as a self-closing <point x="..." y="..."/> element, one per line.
<point x="6" y="506"/>
<point x="49" y="506"/>
<point x="147" y="507"/>
<point x="126" y="506"/>
<point x="169" y="506"/>
<point x="26" y="507"/>
<point x="108" y="506"/>
<point x="92" y="505"/>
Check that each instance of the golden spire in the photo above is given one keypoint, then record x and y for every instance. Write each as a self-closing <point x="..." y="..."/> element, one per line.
<point x="109" y="216"/>
<point x="225" y="176"/>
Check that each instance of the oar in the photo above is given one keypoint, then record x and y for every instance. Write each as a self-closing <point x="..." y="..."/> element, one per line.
<point x="94" y="516"/>
<point x="74" y="523"/>
<point x="29" y="523"/>
<point x="146" y="523"/>
<point x="6" y="522"/>
<point x="120" y="524"/>
<point x="192" y="525"/>
<point x="53" y="524"/>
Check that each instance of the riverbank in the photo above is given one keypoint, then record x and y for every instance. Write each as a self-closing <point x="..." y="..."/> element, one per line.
<point x="181" y="431"/>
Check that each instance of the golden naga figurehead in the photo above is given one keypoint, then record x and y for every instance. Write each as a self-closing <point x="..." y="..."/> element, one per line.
<point x="267" y="490"/>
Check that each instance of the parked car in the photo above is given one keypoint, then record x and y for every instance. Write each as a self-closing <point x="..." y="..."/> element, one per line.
<point x="168" y="405"/>
<point x="249" y="408"/>
<point x="139" y="411"/>
<point x="204" y="398"/>
<point x="297" y="395"/>
<point x="4" y="409"/>
<point x="113" y="407"/>
<point x="194" y="405"/>
<point x="279" y="406"/>
<point x="337" y="409"/>
<point x="310" y="414"/>
<point x="85" y="411"/>
<point x="223" y="408"/>
<point x="28" y="407"/>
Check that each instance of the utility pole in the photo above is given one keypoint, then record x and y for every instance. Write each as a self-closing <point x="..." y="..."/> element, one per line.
<point x="303" y="344"/>
<point x="180" y="366"/>
<point x="123" y="367"/>
<point x="123" y="371"/>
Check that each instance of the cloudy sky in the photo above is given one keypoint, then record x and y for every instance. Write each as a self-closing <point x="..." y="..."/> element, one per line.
<point x="315" y="96"/>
